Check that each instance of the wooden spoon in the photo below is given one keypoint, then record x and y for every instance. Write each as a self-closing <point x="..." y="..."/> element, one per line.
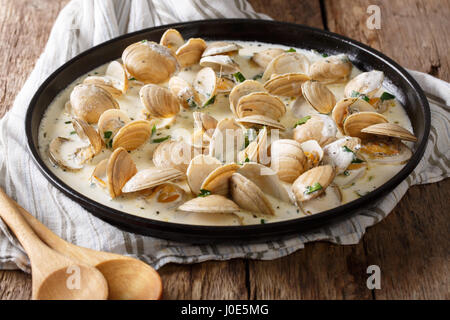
<point x="127" y="278"/>
<point x="54" y="276"/>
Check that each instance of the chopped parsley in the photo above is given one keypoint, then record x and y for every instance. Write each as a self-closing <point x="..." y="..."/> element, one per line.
<point x="387" y="96"/>
<point x="247" y="160"/>
<point x="159" y="140"/>
<point x="153" y="129"/>
<point x="357" y="160"/>
<point x="73" y="132"/>
<point x="263" y="221"/>
<point x="204" y="193"/>
<point x="356" y="94"/>
<point x="302" y="121"/>
<point x="315" y="187"/>
<point x="239" y="77"/>
<point x="191" y="103"/>
<point x="258" y="76"/>
<point x="67" y="122"/>
<point x="291" y="50"/>
<point x="346" y="173"/>
<point x="143" y="41"/>
<point x="209" y="101"/>
<point x="132" y="79"/>
<point x="107" y="134"/>
<point x="110" y="143"/>
<point x="347" y="149"/>
<point x="325" y="55"/>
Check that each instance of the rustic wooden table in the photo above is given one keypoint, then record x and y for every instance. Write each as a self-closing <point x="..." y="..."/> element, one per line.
<point x="411" y="245"/>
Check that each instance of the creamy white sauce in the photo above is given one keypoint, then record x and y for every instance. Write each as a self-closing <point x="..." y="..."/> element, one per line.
<point x="57" y="123"/>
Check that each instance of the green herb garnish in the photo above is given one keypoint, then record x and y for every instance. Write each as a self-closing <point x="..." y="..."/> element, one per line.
<point x="291" y="50"/>
<point x="153" y="130"/>
<point x="110" y="143"/>
<point x="347" y="149"/>
<point x="107" y="134"/>
<point x="209" y="101"/>
<point x="67" y="122"/>
<point x="159" y="140"/>
<point x="239" y="77"/>
<point x="263" y="221"/>
<point x="324" y="55"/>
<point x="73" y="132"/>
<point x="346" y="173"/>
<point x="315" y="187"/>
<point x="191" y="102"/>
<point x="364" y="97"/>
<point x="354" y="94"/>
<point x="143" y="41"/>
<point x="302" y="121"/>
<point x="132" y="79"/>
<point x="357" y="160"/>
<point x="258" y="76"/>
<point x="387" y="96"/>
<point x="247" y="160"/>
<point x="204" y="193"/>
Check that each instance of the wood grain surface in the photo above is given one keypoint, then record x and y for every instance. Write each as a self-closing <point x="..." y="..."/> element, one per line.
<point x="411" y="245"/>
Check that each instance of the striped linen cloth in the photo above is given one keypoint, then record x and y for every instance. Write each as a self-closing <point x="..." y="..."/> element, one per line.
<point x="83" y="24"/>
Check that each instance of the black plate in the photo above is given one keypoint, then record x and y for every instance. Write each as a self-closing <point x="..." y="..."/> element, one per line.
<point x="397" y="80"/>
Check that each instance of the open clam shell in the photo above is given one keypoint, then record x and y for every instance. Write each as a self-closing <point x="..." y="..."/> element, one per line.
<point x="354" y="123"/>
<point x="287" y="84"/>
<point x="87" y="133"/>
<point x="349" y="106"/>
<point x="115" y="80"/>
<point x="183" y="90"/>
<point x="288" y="159"/>
<point x="199" y="168"/>
<point x="205" y="84"/>
<point x="260" y="120"/>
<point x="263" y="58"/>
<point x="119" y="170"/>
<point x="158" y="101"/>
<point x="331" y="69"/>
<point x="99" y="175"/>
<point x="173" y="154"/>
<point x="227" y="132"/>
<point x="89" y="101"/>
<point x="190" y="52"/>
<point x="149" y="62"/>
<point x="172" y="39"/>
<point x="132" y="135"/>
<point x="248" y="196"/>
<point x="256" y="151"/>
<point x="331" y="198"/>
<point x="385" y="151"/>
<point x="221" y="64"/>
<point x="221" y="47"/>
<point x="288" y="62"/>
<point x="260" y="103"/>
<point x="243" y="89"/>
<point x="111" y="121"/>
<point x="313" y="153"/>
<point x="150" y="178"/>
<point x="317" y="127"/>
<point x="217" y="182"/>
<point x="169" y="194"/>
<point x="313" y="183"/>
<point x="224" y="85"/>
<point x="366" y="83"/>
<point x="56" y="156"/>
<point x="318" y="96"/>
<point x="390" y="130"/>
<point x="211" y="204"/>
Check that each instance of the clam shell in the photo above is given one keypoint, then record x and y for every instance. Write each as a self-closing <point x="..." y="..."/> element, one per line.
<point x="159" y="101"/>
<point x="185" y="93"/>
<point x="205" y="84"/>
<point x="318" y="96"/>
<point x="354" y="123"/>
<point x="191" y="52"/>
<point x="55" y="156"/>
<point x="173" y="154"/>
<point x="263" y="58"/>
<point x="248" y="196"/>
<point x="323" y="175"/>
<point x="256" y="151"/>
<point x="348" y="106"/>
<point x="99" y="176"/>
<point x="288" y="62"/>
<point x="199" y="168"/>
<point x="259" y="120"/>
<point x="172" y="39"/>
<point x="331" y="69"/>
<point x="390" y="130"/>
<point x="227" y="130"/>
<point x="288" y="159"/>
<point x="169" y="194"/>
<point x="221" y="64"/>
<point x="331" y="198"/>
<point x="132" y="135"/>
<point x="220" y="47"/>
<point x="385" y="151"/>
<point x="150" y="178"/>
<point x="111" y="121"/>
<point x="89" y="101"/>
<point x="319" y="127"/>
<point x="366" y="83"/>
<point x="204" y="121"/>
<point x="224" y="85"/>
<point x="217" y="182"/>
<point x="243" y="89"/>
<point x="313" y="153"/>
<point x="88" y="133"/>
<point x="260" y="103"/>
<point x="119" y="170"/>
<point x="288" y="84"/>
<point x="149" y="62"/>
<point x="115" y="80"/>
<point x="211" y="204"/>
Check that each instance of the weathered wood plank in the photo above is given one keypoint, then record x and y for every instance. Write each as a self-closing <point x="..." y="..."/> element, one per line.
<point x="15" y="285"/>
<point x="411" y="245"/>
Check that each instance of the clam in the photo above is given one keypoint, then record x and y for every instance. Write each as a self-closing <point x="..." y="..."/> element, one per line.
<point x="226" y="139"/>
<point x="57" y="158"/>
<point x="366" y="83"/>
<point x="173" y="154"/>
<point x="288" y="62"/>
<point x="132" y="135"/>
<point x="204" y="127"/>
<point x="99" y="175"/>
<point x="260" y="120"/>
<point x="158" y="101"/>
<point x="263" y="58"/>
<point x="220" y="47"/>
<point x="185" y="93"/>
<point x="331" y="198"/>
<point x="221" y="64"/>
<point x="243" y="89"/>
<point x="224" y="85"/>
<point x="119" y="170"/>
<point x="199" y="168"/>
<point x="150" y="178"/>
<point x="172" y="39"/>
<point x="211" y="204"/>
<point x="354" y="123"/>
<point x="260" y="103"/>
<point x="89" y="101"/>
<point x="313" y="153"/>
<point x="266" y="179"/>
<point x="332" y="69"/>
<point x="390" y="130"/>
<point x="287" y="84"/>
<point x="169" y="194"/>
<point x="256" y="151"/>
<point x="111" y="121"/>
<point x="115" y="80"/>
<point x="205" y="84"/>
<point x="87" y="133"/>
<point x="217" y="182"/>
<point x="149" y="62"/>
<point x="385" y="151"/>
<point x="349" y="106"/>
<point x="190" y="52"/>
<point x="341" y="153"/>
<point x="318" y="96"/>
<point x="248" y="196"/>
<point x="316" y="127"/>
<point x="313" y="183"/>
<point x="288" y="159"/>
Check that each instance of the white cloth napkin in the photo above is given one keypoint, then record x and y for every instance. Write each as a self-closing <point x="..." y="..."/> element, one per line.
<point x="83" y="24"/>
